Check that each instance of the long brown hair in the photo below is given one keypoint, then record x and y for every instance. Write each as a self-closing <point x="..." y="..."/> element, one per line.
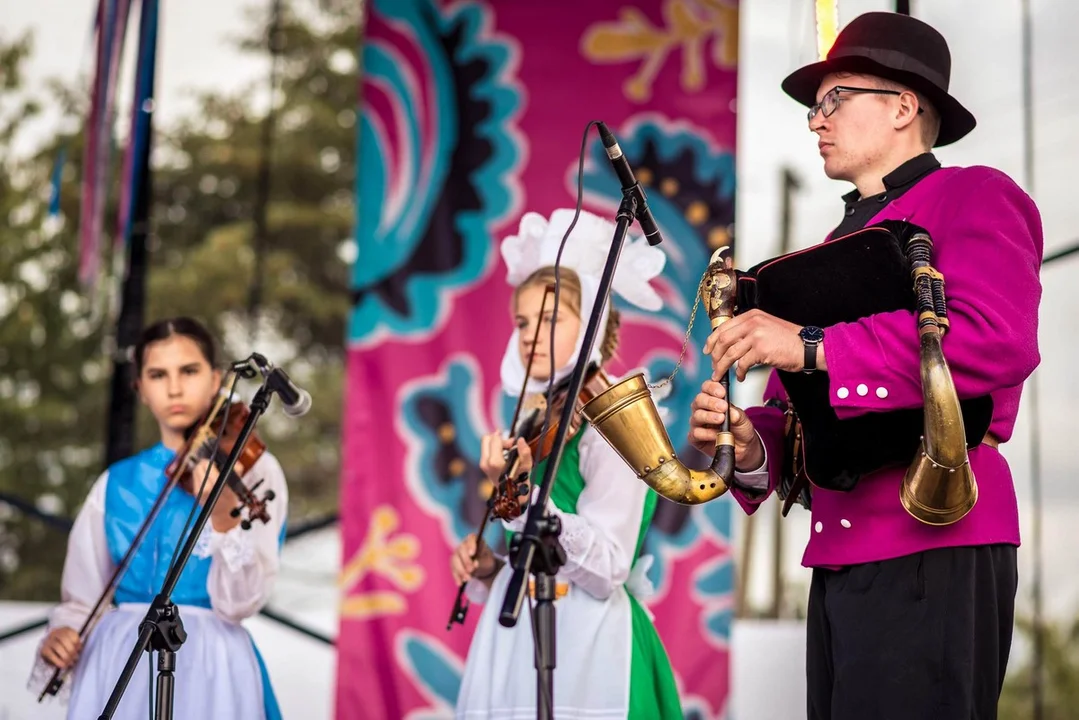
<point x="569" y="295"/>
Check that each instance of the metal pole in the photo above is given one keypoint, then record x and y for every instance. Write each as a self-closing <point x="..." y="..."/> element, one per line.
<point x="902" y="7"/>
<point x="274" y="41"/>
<point x="120" y="440"/>
<point x="1037" y="667"/>
<point x="1059" y="254"/>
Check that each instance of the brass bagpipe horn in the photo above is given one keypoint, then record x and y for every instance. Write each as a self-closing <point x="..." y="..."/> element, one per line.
<point x="627" y="418"/>
<point x="939" y="486"/>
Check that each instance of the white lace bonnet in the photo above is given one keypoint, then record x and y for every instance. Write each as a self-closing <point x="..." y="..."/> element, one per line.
<point x="536" y="245"/>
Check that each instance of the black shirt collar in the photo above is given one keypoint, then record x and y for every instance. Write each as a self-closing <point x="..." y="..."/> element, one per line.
<point x="902" y="178"/>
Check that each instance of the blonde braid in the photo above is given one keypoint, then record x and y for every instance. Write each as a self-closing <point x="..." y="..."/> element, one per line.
<point x="609" y="346"/>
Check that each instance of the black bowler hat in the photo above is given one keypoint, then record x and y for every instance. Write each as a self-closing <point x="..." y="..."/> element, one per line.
<point x="895" y="47"/>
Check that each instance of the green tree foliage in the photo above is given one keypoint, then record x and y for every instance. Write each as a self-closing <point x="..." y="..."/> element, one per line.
<point x="52" y="365"/>
<point x="1060" y="674"/>
<point x="55" y="339"/>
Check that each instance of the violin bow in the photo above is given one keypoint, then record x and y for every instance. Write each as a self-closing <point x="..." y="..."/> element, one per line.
<point x="460" y="609"/>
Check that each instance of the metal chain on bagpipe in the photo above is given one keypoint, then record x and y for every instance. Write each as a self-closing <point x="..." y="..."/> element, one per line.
<point x="685" y="340"/>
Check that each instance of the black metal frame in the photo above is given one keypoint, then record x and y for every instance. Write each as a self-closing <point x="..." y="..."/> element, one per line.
<point x="64" y="524"/>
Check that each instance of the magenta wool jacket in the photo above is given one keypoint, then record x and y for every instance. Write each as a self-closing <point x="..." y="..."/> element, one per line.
<point x="987" y="238"/>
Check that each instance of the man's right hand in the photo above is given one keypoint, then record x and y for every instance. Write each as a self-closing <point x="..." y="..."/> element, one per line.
<point x="709" y="409"/>
<point x="61" y="647"/>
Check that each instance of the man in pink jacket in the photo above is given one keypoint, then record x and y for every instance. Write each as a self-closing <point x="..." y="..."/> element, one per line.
<point x="906" y="619"/>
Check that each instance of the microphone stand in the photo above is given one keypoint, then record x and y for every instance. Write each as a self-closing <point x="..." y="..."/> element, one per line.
<point x="162" y="629"/>
<point x="536" y="550"/>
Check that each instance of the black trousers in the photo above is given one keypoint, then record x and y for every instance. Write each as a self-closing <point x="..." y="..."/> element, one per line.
<point x="921" y="637"/>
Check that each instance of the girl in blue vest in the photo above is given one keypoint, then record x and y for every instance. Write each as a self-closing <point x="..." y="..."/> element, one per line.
<point x="610" y="662"/>
<point x="229" y="577"/>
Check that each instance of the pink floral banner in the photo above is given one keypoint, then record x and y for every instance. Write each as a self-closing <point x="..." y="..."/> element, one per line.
<point x="473" y="113"/>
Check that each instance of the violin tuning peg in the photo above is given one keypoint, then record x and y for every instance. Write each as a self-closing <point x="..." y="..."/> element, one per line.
<point x="235" y="512"/>
<point x="245" y="524"/>
<point x="270" y="495"/>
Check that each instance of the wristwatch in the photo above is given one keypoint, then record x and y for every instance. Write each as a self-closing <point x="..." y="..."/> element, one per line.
<point x="811" y="337"/>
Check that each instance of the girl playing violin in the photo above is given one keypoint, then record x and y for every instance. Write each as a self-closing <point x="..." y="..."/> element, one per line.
<point x="610" y="661"/>
<point x="219" y="673"/>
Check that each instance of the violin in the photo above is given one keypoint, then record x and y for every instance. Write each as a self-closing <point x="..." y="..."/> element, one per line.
<point x="213" y="438"/>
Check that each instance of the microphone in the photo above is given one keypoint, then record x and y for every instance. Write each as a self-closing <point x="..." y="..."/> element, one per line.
<point x="295" y="401"/>
<point x="629" y="183"/>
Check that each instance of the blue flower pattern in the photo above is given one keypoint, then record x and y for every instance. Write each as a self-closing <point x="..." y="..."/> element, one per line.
<point x="400" y="284"/>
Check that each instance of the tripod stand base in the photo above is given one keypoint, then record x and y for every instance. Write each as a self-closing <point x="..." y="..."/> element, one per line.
<point x="162" y="630"/>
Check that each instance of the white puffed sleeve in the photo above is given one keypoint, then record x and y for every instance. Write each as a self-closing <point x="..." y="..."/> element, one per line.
<point x="245" y="563"/>
<point x="600" y="539"/>
<point x="87" y="569"/>
<point x="87" y="565"/>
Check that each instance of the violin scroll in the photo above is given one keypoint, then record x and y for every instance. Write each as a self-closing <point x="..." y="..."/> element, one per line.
<point x="256" y="508"/>
<point x="507" y="502"/>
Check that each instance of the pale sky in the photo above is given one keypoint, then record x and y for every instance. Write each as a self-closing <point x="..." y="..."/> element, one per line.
<point x="777" y="36"/>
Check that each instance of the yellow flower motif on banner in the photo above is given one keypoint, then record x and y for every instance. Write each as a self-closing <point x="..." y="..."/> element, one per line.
<point x="388" y="556"/>
<point x="689" y="24"/>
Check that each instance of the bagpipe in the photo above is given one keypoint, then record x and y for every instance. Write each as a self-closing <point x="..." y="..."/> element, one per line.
<point x="882" y="268"/>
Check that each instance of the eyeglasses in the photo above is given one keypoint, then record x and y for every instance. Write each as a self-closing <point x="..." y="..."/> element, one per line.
<point x="830" y="102"/>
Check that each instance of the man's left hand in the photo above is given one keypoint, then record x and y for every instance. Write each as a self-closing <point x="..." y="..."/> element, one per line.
<point x="755" y="338"/>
